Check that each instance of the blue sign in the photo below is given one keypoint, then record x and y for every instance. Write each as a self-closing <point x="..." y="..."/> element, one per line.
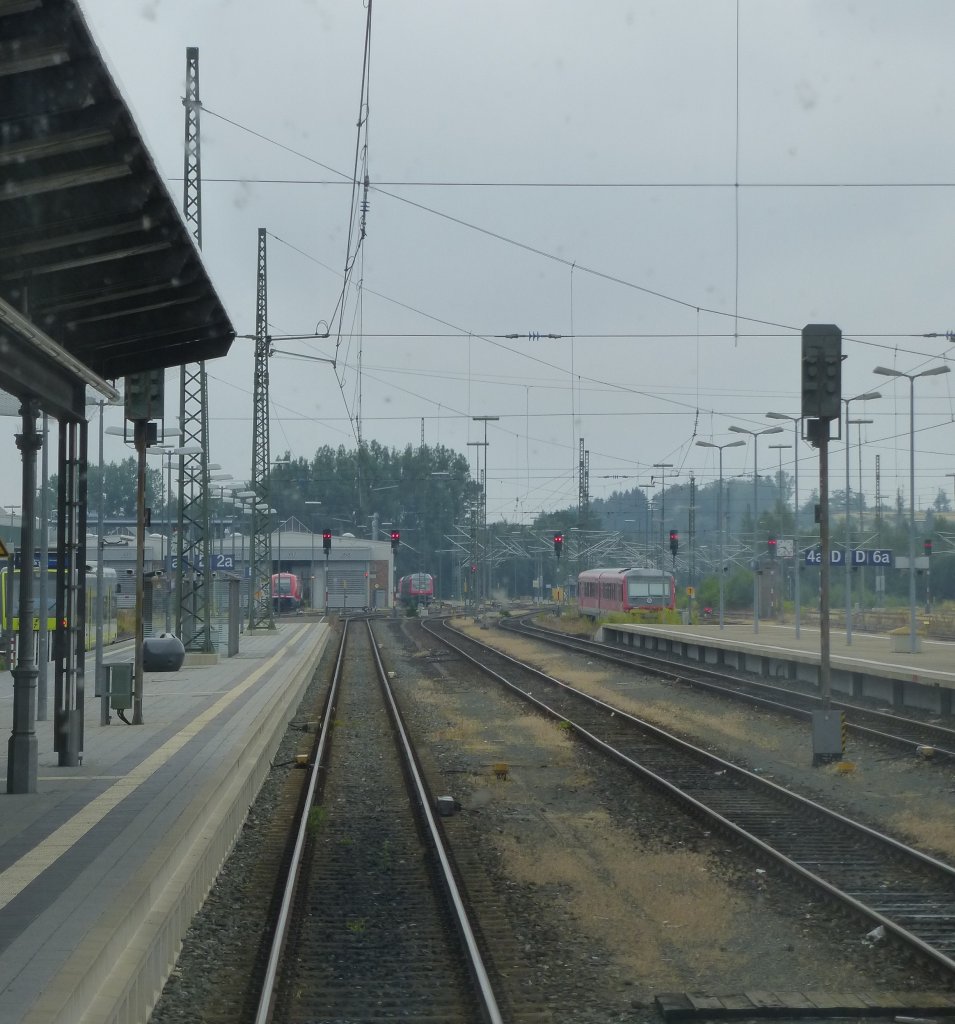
<point x="51" y="559"/>
<point x="859" y="557"/>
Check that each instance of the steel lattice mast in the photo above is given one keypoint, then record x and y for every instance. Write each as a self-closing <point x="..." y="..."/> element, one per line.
<point x="260" y="542"/>
<point x="194" y="578"/>
<point x="583" y="486"/>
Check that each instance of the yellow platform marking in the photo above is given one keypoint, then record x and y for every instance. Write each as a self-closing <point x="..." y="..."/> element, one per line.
<point x="29" y="867"/>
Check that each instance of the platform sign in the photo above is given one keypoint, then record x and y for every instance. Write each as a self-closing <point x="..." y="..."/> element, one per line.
<point x="221" y="562"/>
<point x="921" y="562"/>
<point x="882" y="557"/>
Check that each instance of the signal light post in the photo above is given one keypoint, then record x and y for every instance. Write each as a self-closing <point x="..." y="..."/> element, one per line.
<point x="558" y="545"/>
<point x="326" y="547"/>
<point x="674" y="544"/>
<point x="821" y="399"/>
<point x="663" y="466"/>
<point x="395" y="543"/>
<point x="927" y="550"/>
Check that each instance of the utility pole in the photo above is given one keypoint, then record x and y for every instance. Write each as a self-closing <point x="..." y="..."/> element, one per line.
<point x="260" y="540"/>
<point x="194" y="575"/>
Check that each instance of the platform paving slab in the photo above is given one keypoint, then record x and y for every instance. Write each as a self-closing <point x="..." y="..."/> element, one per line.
<point x="103" y="867"/>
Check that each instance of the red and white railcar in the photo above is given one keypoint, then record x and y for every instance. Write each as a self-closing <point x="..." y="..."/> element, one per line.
<point x="600" y="591"/>
<point x="418" y="588"/>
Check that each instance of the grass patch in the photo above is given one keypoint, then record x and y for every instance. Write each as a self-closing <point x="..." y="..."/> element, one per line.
<point x="317" y="817"/>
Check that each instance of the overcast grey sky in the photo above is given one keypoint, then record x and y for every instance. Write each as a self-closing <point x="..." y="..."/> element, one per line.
<point x="674" y="187"/>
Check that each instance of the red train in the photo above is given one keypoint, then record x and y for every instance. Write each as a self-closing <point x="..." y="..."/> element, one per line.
<point x="286" y="593"/>
<point x="418" y="588"/>
<point x="622" y="590"/>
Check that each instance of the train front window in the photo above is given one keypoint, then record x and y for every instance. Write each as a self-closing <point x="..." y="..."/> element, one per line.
<point x="638" y="589"/>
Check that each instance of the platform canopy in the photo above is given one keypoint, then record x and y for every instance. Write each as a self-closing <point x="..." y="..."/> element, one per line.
<point x="99" y="274"/>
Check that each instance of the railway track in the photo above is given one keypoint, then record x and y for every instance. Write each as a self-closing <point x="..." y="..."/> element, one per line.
<point x="372" y="925"/>
<point x="902" y="891"/>
<point x="909" y="734"/>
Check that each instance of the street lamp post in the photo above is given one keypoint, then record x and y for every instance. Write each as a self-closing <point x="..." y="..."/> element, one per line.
<point x="755" y="435"/>
<point x="797" y="553"/>
<point x="719" y="508"/>
<point x="779" y="473"/>
<point x="779" y="492"/>
<point x="868" y="396"/>
<point x="930" y="372"/>
<point x="663" y="467"/>
<point x="849" y="544"/>
<point x="219" y="479"/>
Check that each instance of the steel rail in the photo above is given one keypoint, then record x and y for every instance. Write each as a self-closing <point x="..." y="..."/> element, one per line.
<point x="485" y="991"/>
<point x="267" y="995"/>
<point x="738" y="687"/>
<point x="751" y="779"/>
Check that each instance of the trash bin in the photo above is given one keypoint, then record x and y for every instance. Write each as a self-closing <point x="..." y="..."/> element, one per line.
<point x="163" y="653"/>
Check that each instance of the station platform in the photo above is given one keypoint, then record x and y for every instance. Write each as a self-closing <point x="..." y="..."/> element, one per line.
<point x="871" y="666"/>
<point x="103" y="868"/>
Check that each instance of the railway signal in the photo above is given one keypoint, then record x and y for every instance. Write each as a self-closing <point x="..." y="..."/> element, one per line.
<point x="326" y="541"/>
<point x="395" y="540"/>
<point x="674" y="542"/>
<point x="771" y="546"/>
<point x="927" y="547"/>
<point x="821" y="371"/>
<point x="558" y="544"/>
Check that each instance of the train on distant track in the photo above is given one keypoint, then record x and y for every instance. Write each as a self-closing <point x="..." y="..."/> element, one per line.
<point x="600" y="591"/>
<point x="286" y="593"/>
<point x="10" y="604"/>
<point x="416" y="589"/>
